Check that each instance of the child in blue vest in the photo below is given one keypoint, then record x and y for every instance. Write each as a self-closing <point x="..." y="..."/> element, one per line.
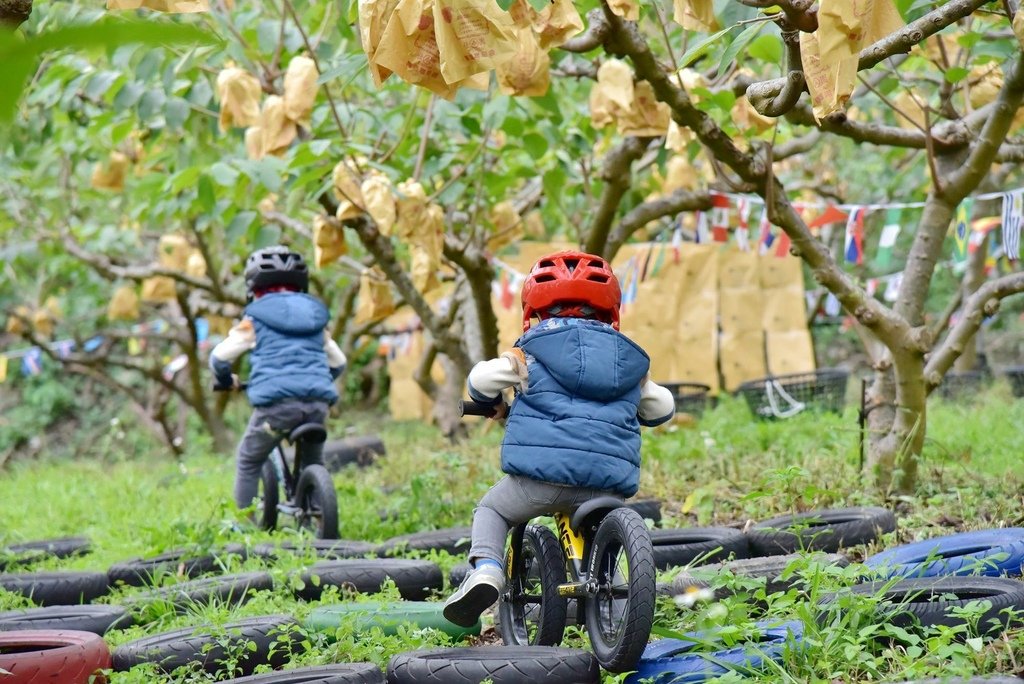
<point x="294" y="361"/>
<point x="573" y="431"/>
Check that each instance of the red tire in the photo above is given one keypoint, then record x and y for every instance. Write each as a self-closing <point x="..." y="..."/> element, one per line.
<point x="44" y="656"/>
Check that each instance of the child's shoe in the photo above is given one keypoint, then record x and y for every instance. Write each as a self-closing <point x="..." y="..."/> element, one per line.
<point x="478" y="592"/>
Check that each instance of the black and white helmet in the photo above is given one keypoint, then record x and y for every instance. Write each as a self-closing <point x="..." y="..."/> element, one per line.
<point x="273" y="266"/>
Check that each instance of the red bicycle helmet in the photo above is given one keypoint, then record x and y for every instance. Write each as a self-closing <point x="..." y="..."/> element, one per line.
<point x="571" y="277"/>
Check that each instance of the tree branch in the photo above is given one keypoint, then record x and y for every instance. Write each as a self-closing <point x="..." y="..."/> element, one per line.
<point x="895" y="43"/>
<point x="641" y="215"/>
<point x="592" y="37"/>
<point x="983" y="303"/>
<point x="617" y="176"/>
<point x="799" y="13"/>
<point x="770" y="103"/>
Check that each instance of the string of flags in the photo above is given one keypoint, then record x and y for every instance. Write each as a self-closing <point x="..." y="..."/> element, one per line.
<point x="33" y="358"/>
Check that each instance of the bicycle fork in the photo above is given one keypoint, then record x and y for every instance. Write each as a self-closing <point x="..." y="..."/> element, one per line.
<point x="574" y="548"/>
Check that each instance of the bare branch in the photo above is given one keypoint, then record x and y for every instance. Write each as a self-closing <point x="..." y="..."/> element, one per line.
<point x="895" y="43"/>
<point x="800" y="14"/>
<point x="617" y="177"/>
<point x="984" y="302"/>
<point x="641" y="215"/>
<point x="791" y="148"/>
<point x="591" y="38"/>
<point x="770" y="103"/>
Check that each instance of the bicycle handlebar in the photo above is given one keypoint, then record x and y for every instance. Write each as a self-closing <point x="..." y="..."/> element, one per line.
<point x="233" y="388"/>
<point x="475" y="408"/>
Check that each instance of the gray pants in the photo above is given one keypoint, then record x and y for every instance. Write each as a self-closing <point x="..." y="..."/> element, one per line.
<point x="266" y="427"/>
<point x="514" y="500"/>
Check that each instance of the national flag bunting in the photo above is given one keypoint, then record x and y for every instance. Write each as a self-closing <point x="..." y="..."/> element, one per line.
<point x="854" y="247"/>
<point x="961" y="228"/>
<point x="1013" y="214"/>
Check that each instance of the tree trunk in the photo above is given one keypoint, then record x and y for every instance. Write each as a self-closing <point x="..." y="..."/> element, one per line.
<point x="14" y="12"/>
<point x="896" y="422"/>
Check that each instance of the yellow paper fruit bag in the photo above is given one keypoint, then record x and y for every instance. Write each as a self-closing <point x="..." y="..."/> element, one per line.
<point x="15" y="325"/>
<point x="196" y="265"/>
<point x="473" y="37"/>
<point x="695" y="15"/>
<point x="424" y="268"/>
<point x="276" y="130"/>
<point x="375" y="300"/>
<point x="380" y="201"/>
<point x="373" y="19"/>
<point x="124" y="304"/>
<point x="508" y="226"/>
<point x="158" y="289"/>
<point x="300" y="89"/>
<point x="528" y="72"/>
<point x="239" y="94"/>
<point x="168" y="6"/>
<point x="329" y="240"/>
<point x="557" y="23"/>
<point x="627" y="9"/>
<point x="110" y="175"/>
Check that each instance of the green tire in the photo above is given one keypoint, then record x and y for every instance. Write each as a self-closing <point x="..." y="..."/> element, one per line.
<point x="387" y="616"/>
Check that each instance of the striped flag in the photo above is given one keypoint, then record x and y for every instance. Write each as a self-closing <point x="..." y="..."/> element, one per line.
<point x="765" y="239"/>
<point x="961" y="230"/>
<point x="1013" y="213"/>
<point x="854" y="249"/>
<point x="743" y="231"/>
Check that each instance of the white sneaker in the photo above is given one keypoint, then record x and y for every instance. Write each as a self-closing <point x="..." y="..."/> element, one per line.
<point x="478" y="592"/>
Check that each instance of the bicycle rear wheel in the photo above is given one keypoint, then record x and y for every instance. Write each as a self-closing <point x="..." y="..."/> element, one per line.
<point x="619" y="617"/>
<point x="270" y="495"/>
<point x="318" y="502"/>
<point x="531" y="612"/>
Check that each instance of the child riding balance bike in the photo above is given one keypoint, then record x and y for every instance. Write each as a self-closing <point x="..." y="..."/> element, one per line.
<point x="582" y="391"/>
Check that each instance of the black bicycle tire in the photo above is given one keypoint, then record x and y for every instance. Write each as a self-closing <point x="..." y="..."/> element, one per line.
<point x="551" y="615"/>
<point x="64" y="588"/>
<point x="901" y="609"/>
<point x="415" y="580"/>
<point x="498" y="664"/>
<point x="315" y="480"/>
<point x="697" y="546"/>
<point x="338" y="673"/>
<point x="232" y="590"/>
<point x="452" y="540"/>
<point x="24" y="553"/>
<point x="270" y="496"/>
<point x="97" y="619"/>
<point x="205" y="645"/>
<point x="843" y="527"/>
<point x="627" y="528"/>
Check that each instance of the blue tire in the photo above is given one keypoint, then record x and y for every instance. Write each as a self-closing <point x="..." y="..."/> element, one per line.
<point x="675" y="661"/>
<point x="991" y="553"/>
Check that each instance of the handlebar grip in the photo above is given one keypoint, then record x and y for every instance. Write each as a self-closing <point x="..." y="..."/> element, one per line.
<point x="475" y="408"/>
<point x="230" y="388"/>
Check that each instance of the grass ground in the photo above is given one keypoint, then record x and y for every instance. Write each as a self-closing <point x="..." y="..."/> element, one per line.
<point x="131" y="499"/>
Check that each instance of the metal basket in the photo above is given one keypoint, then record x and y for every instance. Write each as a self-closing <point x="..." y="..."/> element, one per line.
<point x="963" y="384"/>
<point x="783" y="396"/>
<point x="1015" y="374"/>
<point x="691" y="397"/>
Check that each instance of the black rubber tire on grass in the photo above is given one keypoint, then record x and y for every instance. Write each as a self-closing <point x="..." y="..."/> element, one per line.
<point x="497" y="664"/>
<point x="232" y="590"/>
<point x="361" y="450"/>
<point x="911" y="602"/>
<point x="336" y="549"/>
<point x="649" y="509"/>
<point x="205" y="645"/>
<point x="347" y="673"/>
<point x="65" y="588"/>
<point x="539" y="580"/>
<point x="826" y="530"/>
<point x="768" y="568"/>
<point x="622" y="530"/>
<point x="315" y="491"/>
<point x="64" y="656"/>
<point x="96" y="619"/>
<point x="453" y="540"/>
<point x="415" y="580"/>
<point x="458" y="573"/>
<point x="33" y="551"/>
<point x="140" y="572"/>
<point x="697" y="545"/>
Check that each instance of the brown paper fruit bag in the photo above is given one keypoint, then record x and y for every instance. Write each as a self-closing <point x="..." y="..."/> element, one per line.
<point x="110" y="175"/>
<point x="379" y="199"/>
<point x="158" y="289"/>
<point x="473" y="37"/>
<point x="557" y="23"/>
<point x="528" y="73"/>
<point x="373" y="19"/>
<point x="424" y="269"/>
<point x="627" y="9"/>
<point x="695" y="15"/>
<point x="276" y="130"/>
<point x="173" y="251"/>
<point x="329" y="240"/>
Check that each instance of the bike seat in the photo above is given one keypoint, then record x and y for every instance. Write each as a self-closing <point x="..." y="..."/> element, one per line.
<point x="592" y="511"/>
<point x="314" y="433"/>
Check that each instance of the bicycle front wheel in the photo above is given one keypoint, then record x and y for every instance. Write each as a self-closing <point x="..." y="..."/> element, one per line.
<point x="619" y="617"/>
<point x="318" y="502"/>
<point x="531" y="612"/>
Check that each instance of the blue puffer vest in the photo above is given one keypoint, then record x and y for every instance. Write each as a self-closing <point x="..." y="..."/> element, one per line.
<point x="576" y="424"/>
<point x="289" y="361"/>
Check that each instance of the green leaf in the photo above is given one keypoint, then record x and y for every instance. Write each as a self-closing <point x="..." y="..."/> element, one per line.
<point x="266" y="34"/>
<point x="128" y="95"/>
<point x="732" y="52"/>
<point x="185" y="178"/>
<point x="152" y="103"/>
<point x="239" y="226"/>
<point x="266" y="235"/>
<point x="223" y="174"/>
<point x="205" y="195"/>
<point x="536" y="145"/>
<point x="767" y="47"/>
<point x="539" y="5"/>
<point x="100" y="84"/>
<point x="496" y="110"/>
<point x="701" y="48"/>
<point x="505" y="4"/>
<point x="176" y="112"/>
<point x="956" y="74"/>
